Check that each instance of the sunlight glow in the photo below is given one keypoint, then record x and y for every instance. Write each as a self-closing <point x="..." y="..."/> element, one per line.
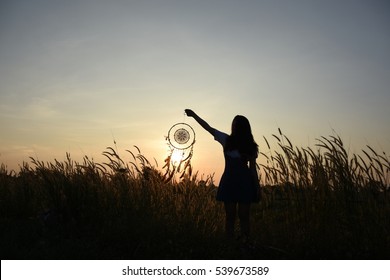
<point x="177" y="157"/>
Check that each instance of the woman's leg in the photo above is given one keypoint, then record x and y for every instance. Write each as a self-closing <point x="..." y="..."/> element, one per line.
<point x="243" y="214"/>
<point x="230" y="210"/>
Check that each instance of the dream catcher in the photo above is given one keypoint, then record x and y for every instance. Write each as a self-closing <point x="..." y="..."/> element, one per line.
<point x="180" y="140"/>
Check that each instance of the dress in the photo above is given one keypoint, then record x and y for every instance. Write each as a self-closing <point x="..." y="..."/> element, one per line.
<point x="237" y="183"/>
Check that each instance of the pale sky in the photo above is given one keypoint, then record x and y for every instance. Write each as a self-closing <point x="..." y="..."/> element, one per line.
<point x="75" y="74"/>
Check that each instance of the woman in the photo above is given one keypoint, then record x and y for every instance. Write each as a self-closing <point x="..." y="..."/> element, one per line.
<point x="239" y="182"/>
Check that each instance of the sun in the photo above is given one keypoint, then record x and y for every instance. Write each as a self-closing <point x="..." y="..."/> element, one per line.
<point x="176" y="157"/>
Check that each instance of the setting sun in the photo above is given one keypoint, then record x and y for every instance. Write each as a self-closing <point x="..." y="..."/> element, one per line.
<point x="176" y="157"/>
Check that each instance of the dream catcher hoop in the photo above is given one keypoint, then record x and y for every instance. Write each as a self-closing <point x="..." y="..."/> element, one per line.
<point x="181" y="136"/>
<point x="180" y="140"/>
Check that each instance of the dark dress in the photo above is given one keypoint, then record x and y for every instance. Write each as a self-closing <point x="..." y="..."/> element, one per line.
<point x="237" y="183"/>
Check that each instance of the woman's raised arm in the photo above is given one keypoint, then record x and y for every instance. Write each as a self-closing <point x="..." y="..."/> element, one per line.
<point x="202" y="122"/>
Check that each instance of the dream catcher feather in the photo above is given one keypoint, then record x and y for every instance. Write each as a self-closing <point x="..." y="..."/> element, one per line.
<point x="180" y="140"/>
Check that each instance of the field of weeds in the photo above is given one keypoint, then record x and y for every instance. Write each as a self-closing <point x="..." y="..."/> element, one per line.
<point x="316" y="204"/>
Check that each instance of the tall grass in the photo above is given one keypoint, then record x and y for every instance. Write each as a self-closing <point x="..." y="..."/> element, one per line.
<point x="334" y="205"/>
<point x="316" y="203"/>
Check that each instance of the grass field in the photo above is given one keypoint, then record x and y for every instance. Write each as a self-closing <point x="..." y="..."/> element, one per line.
<point x="316" y="204"/>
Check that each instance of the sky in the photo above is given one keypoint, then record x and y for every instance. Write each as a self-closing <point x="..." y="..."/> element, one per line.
<point x="77" y="75"/>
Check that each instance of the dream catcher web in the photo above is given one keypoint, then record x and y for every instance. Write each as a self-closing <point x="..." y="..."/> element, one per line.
<point x="180" y="140"/>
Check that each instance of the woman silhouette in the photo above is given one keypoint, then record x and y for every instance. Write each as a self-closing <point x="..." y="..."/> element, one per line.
<point x="239" y="182"/>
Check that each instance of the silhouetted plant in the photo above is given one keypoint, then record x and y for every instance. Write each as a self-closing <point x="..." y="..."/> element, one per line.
<point x="316" y="203"/>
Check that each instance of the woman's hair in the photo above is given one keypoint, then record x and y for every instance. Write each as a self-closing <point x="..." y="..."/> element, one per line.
<point x="241" y="138"/>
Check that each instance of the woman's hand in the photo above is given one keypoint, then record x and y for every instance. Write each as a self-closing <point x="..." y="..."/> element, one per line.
<point x="189" y="112"/>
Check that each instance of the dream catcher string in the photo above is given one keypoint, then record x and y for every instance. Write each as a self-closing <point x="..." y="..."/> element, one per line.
<point x="180" y="140"/>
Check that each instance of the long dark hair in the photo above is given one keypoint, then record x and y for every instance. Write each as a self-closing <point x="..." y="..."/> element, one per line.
<point x="241" y="138"/>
